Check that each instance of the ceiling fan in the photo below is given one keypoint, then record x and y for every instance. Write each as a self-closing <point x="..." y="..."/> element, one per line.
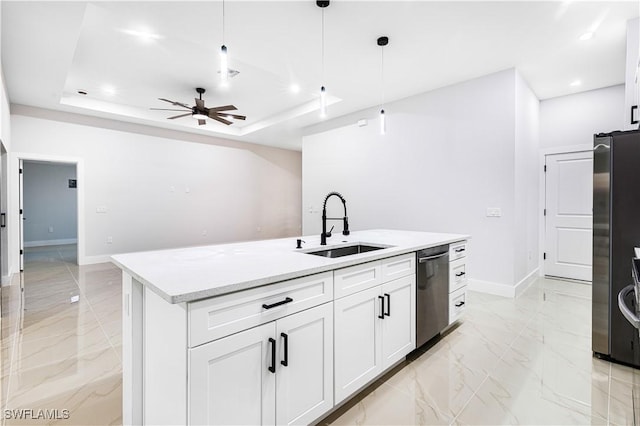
<point x="201" y="113"/>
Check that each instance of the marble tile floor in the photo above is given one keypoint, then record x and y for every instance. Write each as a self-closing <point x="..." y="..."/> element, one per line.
<point x="522" y="361"/>
<point x="61" y="341"/>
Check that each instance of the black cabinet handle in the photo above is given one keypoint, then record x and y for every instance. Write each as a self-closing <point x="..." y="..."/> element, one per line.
<point x="3" y="220"/>
<point x="459" y="304"/>
<point x="381" y="316"/>
<point x="272" y="367"/>
<point x="285" y="361"/>
<point x="460" y="250"/>
<point x="282" y="302"/>
<point x="459" y="274"/>
<point x="388" y="296"/>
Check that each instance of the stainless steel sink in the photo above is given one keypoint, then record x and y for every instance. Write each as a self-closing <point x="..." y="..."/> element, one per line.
<point x="345" y="251"/>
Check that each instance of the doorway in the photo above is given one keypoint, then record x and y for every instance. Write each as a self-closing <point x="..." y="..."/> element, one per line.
<point x="49" y="211"/>
<point x="568" y="215"/>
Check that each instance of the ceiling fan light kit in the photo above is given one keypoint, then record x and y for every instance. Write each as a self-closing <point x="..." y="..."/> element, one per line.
<point x="322" y="4"/>
<point x="382" y="42"/>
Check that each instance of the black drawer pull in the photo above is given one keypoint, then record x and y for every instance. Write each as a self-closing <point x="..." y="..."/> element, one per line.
<point x="381" y="316"/>
<point x="459" y="304"/>
<point x="460" y="250"/>
<point x="272" y="367"/>
<point x="459" y="274"/>
<point x="282" y="302"/>
<point x="388" y="296"/>
<point x="285" y="361"/>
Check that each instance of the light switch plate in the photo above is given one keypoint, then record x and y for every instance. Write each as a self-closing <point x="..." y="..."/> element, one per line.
<point x="494" y="212"/>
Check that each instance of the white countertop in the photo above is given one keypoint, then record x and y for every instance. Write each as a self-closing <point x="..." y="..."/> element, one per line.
<point x="194" y="273"/>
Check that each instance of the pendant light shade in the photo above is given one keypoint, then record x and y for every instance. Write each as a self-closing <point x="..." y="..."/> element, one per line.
<point x="224" y="59"/>
<point x="382" y="42"/>
<point x="322" y="4"/>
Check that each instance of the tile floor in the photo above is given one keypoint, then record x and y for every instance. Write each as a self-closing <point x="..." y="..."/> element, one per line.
<point x="523" y="361"/>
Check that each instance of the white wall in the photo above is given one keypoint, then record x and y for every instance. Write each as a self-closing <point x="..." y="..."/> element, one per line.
<point x="527" y="123"/>
<point x="447" y="156"/>
<point x="573" y="119"/>
<point x="162" y="188"/>
<point x="50" y="206"/>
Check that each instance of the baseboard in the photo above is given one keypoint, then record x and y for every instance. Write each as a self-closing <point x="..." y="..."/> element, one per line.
<point x="524" y="283"/>
<point x="91" y="260"/>
<point x="50" y="242"/>
<point x="489" y="287"/>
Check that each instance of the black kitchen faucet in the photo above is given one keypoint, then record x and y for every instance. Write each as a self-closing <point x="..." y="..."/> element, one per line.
<point x="345" y="219"/>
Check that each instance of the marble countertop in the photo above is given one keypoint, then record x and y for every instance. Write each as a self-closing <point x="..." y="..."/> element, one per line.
<point x="194" y="273"/>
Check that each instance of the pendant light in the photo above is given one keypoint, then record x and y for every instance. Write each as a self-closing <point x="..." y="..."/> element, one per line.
<point x="322" y="4"/>
<point x="382" y="42"/>
<point x="224" y="60"/>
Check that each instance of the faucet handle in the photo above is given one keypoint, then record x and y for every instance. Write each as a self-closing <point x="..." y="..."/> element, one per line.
<point x="328" y="233"/>
<point x="299" y="243"/>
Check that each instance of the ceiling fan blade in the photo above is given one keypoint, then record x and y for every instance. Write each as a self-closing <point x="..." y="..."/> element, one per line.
<point x="178" y="116"/>
<point x="175" y="103"/>
<point x="222" y="120"/>
<point x="165" y="109"/>
<point x="237" y="117"/>
<point x="202" y="122"/>
<point x="199" y="103"/>
<point x="223" y="108"/>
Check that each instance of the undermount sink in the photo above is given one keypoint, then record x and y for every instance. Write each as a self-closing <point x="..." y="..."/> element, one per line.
<point x="345" y="251"/>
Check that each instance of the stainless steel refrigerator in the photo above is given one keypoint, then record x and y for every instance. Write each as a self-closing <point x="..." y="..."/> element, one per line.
<point x="616" y="231"/>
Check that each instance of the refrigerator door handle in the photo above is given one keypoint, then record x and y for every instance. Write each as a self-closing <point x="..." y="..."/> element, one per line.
<point x="628" y="314"/>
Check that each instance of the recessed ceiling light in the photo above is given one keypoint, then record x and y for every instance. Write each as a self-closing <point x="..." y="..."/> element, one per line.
<point x="587" y="36"/>
<point x="575" y="83"/>
<point x="143" y="35"/>
<point x="294" y="88"/>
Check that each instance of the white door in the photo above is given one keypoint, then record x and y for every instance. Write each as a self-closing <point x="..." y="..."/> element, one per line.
<point x="358" y="349"/>
<point x="21" y="212"/>
<point x="399" y="324"/>
<point x="569" y="212"/>
<point x="304" y="379"/>
<point x="231" y="382"/>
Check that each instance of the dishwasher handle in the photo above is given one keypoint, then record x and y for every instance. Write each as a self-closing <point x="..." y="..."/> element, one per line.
<point x="424" y="259"/>
<point x="628" y="314"/>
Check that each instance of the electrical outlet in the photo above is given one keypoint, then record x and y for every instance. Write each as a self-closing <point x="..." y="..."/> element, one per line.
<point x="51" y="229"/>
<point x="494" y="212"/>
<point x="172" y="189"/>
<point x="109" y="240"/>
<point x="204" y="232"/>
<point x="101" y="209"/>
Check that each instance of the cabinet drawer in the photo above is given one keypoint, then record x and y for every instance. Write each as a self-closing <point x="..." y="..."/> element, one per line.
<point x="356" y="278"/>
<point x="398" y="267"/>
<point x="457" y="274"/>
<point x="217" y="317"/>
<point x="457" y="250"/>
<point x="457" y="303"/>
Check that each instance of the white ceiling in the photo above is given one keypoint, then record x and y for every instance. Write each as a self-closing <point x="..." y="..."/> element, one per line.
<point x="50" y="50"/>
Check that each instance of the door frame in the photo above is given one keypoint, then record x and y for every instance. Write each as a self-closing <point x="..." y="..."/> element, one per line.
<point x="543" y="193"/>
<point x="14" y="194"/>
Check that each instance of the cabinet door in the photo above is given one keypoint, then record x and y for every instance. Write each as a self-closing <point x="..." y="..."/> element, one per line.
<point x="358" y="357"/>
<point x="304" y="386"/>
<point x="230" y="382"/>
<point x="399" y="324"/>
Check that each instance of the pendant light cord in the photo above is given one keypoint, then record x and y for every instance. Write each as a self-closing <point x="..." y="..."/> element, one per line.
<point x="322" y="54"/>
<point x="382" y="73"/>
<point x="223" y="22"/>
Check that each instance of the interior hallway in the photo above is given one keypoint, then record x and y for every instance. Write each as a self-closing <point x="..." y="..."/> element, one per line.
<point x="522" y="361"/>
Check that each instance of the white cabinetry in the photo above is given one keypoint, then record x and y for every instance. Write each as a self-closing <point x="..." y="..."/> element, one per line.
<point x="374" y="328"/>
<point x="277" y="373"/>
<point x="457" y="280"/>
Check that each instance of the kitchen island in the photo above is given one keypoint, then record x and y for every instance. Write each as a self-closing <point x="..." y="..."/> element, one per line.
<point x="262" y="332"/>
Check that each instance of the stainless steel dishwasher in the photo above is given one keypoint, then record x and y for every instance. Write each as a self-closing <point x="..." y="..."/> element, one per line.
<point x="432" y="293"/>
